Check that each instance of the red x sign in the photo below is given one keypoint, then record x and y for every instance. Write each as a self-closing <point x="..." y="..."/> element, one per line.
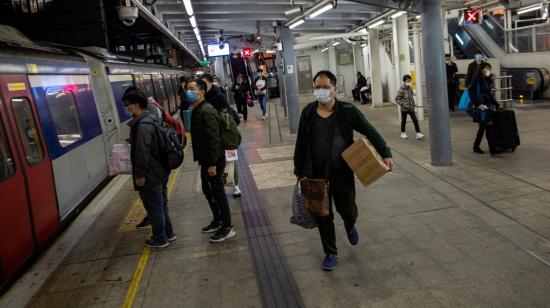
<point x="247" y="52"/>
<point x="471" y="16"/>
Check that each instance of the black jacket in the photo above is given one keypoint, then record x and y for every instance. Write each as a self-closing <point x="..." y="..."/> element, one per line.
<point x="239" y="91"/>
<point x="361" y="82"/>
<point x="451" y="72"/>
<point x="206" y="135"/>
<point x="472" y="71"/>
<point x="216" y="98"/>
<point x="145" y="154"/>
<point x="484" y="94"/>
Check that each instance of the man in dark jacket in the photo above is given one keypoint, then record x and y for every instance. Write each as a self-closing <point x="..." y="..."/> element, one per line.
<point x="312" y="145"/>
<point x="213" y="94"/>
<point x="473" y="68"/>
<point x="148" y="174"/>
<point x="209" y="153"/>
<point x="361" y="82"/>
<point x="452" y="69"/>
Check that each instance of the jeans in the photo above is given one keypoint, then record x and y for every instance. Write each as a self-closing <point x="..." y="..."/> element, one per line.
<point x="235" y="174"/>
<point x="344" y="201"/>
<point x="412" y="114"/>
<point x="157" y="210"/>
<point x="262" y="99"/>
<point x="214" y="191"/>
<point x="487" y="129"/>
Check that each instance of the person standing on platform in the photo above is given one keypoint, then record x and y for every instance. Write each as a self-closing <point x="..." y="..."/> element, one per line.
<point x="240" y="91"/>
<point x="452" y="69"/>
<point x="473" y="68"/>
<point x="208" y="152"/>
<point x="317" y="121"/>
<point x="260" y="84"/>
<point x="405" y="100"/>
<point x="181" y="92"/>
<point x="147" y="171"/>
<point x="213" y="94"/>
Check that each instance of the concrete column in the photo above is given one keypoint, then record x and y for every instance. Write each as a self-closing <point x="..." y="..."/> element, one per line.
<point x="401" y="55"/>
<point x="290" y="83"/>
<point x="376" y="81"/>
<point x="436" y="81"/>
<point x="332" y="60"/>
<point x="419" y="76"/>
<point x="366" y="62"/>
<point x="281" y="80"/>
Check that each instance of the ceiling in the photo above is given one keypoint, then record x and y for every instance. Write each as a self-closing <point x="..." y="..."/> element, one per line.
<point x="238" y="18"/>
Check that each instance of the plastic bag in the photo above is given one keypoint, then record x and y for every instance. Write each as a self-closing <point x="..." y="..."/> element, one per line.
<point x="231" y="155"/>
<point x="300" y="215"/>
<point x="120" y="162"/>
<point x="229" y="173"/>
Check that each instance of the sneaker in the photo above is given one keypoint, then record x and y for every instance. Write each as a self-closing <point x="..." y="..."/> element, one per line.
<point x="263" y="118"/>
<point x="478" y="150"/>
<point x="211" y="228"/>
<point x="154" y="244"/>
<point x="236" y="192"/>
<point x="172" y="238"/>
<point x="144" y="223"/>
<point x="223" y="234"/>
<point x="330" y="262"/>
<point x="353" y="236"/>
<point x="404" y="136"/>
<point x="419" y="136"/>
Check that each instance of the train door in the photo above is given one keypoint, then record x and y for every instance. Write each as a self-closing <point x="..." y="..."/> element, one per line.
<point x="30" y="215"/>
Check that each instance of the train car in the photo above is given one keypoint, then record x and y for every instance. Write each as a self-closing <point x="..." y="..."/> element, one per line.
<point x="60" y="114"/>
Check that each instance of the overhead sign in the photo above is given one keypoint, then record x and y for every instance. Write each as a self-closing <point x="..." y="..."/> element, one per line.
<point x="247" y="52"/>
<point x="471" y="17"/>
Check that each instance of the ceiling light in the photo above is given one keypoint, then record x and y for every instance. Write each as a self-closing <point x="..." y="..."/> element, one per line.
<point x="376" y="24"/>
<point x="296" y="24"/>
<point x="400" y="13"/>
<point x="530" y="9"/>
<point x="193" y="21"/>
<point x="364" y="45"/>
<point x="270" y="51"/>
<point x="188" y="7"/>
<point x="418" y="17"/>
<point x="364" y="31"/>
<point x="321" y="10"/>
<point x="335" y="43"/>
<point x="324" y="49"/>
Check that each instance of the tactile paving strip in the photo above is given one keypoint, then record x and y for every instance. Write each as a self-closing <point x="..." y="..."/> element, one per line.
<point x="275" y="281"/>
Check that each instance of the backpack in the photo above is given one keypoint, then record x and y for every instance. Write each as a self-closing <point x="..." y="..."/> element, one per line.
<point x="170" y="121"/>
<point x="171" y="148"/>
<point x="230" y="135"/>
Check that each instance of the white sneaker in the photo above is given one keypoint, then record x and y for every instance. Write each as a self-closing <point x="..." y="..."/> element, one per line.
<point x="419" y="136"/>
<point x="263" y="118"/>
<point x="404" y="136"/>
<point x="236" y="192"/>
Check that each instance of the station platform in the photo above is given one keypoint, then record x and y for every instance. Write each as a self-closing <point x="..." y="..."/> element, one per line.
<point x="472" y="235"/>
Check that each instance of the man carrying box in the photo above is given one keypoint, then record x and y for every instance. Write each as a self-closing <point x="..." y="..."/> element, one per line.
<point x="318" y="121"/>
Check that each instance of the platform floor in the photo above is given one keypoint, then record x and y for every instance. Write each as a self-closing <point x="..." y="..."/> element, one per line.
<point x="472" y="235"/>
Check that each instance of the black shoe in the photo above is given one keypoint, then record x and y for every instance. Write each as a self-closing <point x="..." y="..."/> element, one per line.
<point x="211" y="228"/>
<point x="144" y="223"/>
<point x="223" y="234"/>
<point x="154" y="244"/>
<point x="496" y="152"/>
<point x="478" y="150"/>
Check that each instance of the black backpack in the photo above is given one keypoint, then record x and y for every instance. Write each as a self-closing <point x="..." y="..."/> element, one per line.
<point x="171" y="149"/>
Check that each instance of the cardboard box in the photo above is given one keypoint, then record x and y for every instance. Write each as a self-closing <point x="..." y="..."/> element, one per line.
<point x="365" y="161"/>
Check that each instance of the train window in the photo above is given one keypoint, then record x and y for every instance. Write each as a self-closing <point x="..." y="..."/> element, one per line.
<point x="7" y="165"/>
<point x="148" y="85"/>
<point x="28" y="129"/>
<point x="64" y="112"/>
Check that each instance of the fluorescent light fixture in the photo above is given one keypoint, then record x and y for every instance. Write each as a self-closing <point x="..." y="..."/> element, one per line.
<point x="400" y="13"/>
<point x="270" y="51"/>
<point x="324" y="49"/>
<point x="188" y="7"/>
<point x="196" y="31"/>
<point x="348" y="41"/>
<point x="418" y="17"/>
<point x="296" y="24"/>
<point x="459" y="39"/>
<point x="364" y="45"/>
<point x="376" y="24"/>
<point x="335" y="43"/>
<point x="193" y="21"/>
<point x="321" y="10"/>
<point x="529" y="9"/>
<point x="461" y="20"/>
<point x="364" y="31"/>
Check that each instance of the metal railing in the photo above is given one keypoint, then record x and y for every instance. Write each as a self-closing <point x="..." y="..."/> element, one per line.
<point x="534" y="38"/>
<point x="503" y="91"/>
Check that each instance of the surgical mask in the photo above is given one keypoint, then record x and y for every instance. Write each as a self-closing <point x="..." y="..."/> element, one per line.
<point x="479" y="57"/>
<point x="128" y="113"/>
<point x="216" y="83"/>
<point x="323" y="95"/>
<point x="191" y="96"/>
<point x="487" y="73"/>
<point x="239" y="80"/>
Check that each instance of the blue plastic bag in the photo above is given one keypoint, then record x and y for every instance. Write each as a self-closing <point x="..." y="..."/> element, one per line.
<point x="465" y="101"/>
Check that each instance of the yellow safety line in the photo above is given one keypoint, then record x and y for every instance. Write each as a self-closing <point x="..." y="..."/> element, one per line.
<point x="136" y="278"/>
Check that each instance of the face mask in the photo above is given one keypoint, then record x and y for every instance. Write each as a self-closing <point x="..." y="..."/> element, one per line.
<point x="487" y="73"/>
<point x="408" y="84"/>
<point x="323" y="95"/>
<point x="239" y="80"/>
<point x="479" y="57"/>
<point x="216" y="83"/>
<point x="191" y="96"/>
<point x="128" y="113"/>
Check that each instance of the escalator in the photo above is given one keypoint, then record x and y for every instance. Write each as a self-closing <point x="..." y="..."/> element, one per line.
<point x="467" y="40"/>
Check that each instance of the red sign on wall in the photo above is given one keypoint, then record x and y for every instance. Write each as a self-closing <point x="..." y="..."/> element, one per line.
<point x="247" y="52"/>
<point x="471" y="17"/>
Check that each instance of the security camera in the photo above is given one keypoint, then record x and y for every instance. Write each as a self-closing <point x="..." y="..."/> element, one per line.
<point x="127" y="14"/>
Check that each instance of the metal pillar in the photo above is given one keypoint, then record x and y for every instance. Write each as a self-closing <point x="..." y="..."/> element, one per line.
<point x="290" y="81"/>
<point x="281" y="80"/>
<point x="436" y="77"/>
<point x="376" y="80"/>
<point x="419" y="76"/>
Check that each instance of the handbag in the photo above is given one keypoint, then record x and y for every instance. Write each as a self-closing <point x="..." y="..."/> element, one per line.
<point x="249" y="101"/>
<point x="316" y="191"/>
<point x="300" y="215"/>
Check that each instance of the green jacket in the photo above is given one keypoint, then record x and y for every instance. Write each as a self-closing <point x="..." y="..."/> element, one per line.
<point x="206" y="135"/>
<point x="348" y="119"/>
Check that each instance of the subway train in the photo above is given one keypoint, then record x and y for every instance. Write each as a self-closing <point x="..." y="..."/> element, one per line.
<point x="61" y="113"/>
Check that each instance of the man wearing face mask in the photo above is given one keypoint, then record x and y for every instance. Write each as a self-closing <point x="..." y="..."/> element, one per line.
<point x="208" y="152"/>
<point x="473" y="67"/>
<point x="319" y="120"/>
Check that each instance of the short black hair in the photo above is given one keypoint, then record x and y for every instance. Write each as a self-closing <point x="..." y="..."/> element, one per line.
<point x="200" y="84"/>
<point x="482" y="66"/>
<point x="208" y="77"/>
<point x="183" y="79"/>
<point x="130" y="89"/>
<point x="136" y="96"/>
<point x="260" y="70"/>
<point x="478" y="52"/>
<point x="447" y="55"/>
<point x="407" y="77"/>
<point x="327" y="74"/>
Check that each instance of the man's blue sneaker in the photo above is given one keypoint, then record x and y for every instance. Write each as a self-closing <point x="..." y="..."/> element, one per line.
<point x="353" y="236"/>
<point x="330" y="262"/>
